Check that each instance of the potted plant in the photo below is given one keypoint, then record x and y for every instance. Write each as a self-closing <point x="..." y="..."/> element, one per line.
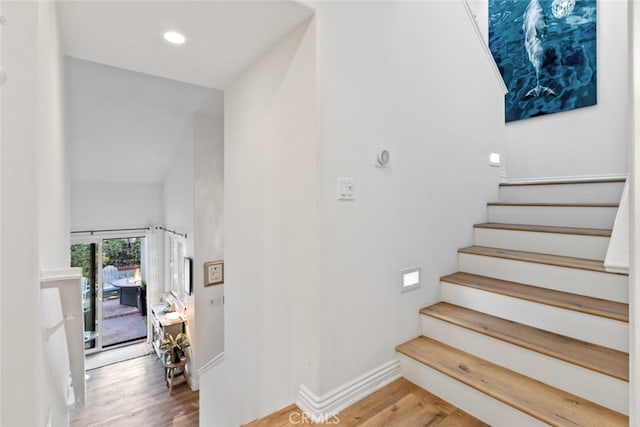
<point x="174" y="348"/>
<point x="142" y="297"/>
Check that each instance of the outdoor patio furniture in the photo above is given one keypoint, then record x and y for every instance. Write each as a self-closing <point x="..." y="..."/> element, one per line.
<point x="128" y="291"/>
<point x="109" y="275"/>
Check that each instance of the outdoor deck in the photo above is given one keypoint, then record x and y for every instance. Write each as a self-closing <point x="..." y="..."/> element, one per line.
<point x="121" y="323"/>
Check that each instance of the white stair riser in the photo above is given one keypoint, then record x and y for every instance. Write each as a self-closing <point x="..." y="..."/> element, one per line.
<point x="591" y="247"/>
<point x="470" y="400"/>
<point x="580" y="217"/>
<point x="595" y="329"/>
<point x="595" y="284"/>
<point x="604" y="192"/>
<point x="596" y="387"/>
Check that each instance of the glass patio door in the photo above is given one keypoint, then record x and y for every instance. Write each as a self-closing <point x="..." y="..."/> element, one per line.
<point x="113" y="290"/>
<point x="124" y="316"/>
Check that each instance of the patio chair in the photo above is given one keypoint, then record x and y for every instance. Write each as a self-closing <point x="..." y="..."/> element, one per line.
<point x="109" y="275"/>
<point x="86" y="292"/>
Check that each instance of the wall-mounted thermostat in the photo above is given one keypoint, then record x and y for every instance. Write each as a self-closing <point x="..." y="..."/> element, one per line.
<point x="383" y="158"/>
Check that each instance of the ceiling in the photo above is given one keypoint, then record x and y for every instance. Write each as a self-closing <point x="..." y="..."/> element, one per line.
<point x="125" y="126"/>
<point x="223" y="37"/>
<point x="132" y="95"/>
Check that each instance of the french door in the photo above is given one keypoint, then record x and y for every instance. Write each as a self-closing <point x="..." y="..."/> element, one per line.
<point x="112" y="287"/>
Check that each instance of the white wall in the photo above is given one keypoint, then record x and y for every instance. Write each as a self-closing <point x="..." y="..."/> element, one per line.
<point x="114" y="205"/>
<point x="35" y="200"/>
<point x="312" y="285"/>
<point x="125" y="126"/>
<point x="178" y="212"/>
<point x="410" y="77"/>
<point x="590" y="141"/>
<point x="178" y="189"/>
<point x="53" y="153"/>
<point x="270" y="232"/>
<point x="208" y="190"/>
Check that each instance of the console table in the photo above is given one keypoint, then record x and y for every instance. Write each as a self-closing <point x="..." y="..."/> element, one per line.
<point x="163" y="325"/>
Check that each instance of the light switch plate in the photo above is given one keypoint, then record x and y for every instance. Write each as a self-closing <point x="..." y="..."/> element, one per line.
<point x="345" y="189"/>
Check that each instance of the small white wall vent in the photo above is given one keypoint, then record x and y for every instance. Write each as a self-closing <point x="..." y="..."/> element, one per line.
<point x="410" y="278"/>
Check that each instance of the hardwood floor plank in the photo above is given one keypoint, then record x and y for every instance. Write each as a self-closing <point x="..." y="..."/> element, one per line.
<point x="409" y="411"/>
<point x="284" y="417"/>
<point x="548" y="404"/>
<point x="401" y="404"/>
<point x="459" y="418"/>
<point x="376" y="402"/>
<point x="591" y="356"/>
<point x="595" y="306"/>
<point x="133" y="393"/>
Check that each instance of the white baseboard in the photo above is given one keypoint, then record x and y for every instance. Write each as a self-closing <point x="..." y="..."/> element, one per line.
<point x="321" y="408"/>
<point x="576" y="178"/>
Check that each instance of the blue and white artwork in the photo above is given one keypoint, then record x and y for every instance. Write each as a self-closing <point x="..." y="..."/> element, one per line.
<point x="546" y="52"/>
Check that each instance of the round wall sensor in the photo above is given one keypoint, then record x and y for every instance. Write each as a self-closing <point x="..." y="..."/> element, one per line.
<point x="383" y="157"/>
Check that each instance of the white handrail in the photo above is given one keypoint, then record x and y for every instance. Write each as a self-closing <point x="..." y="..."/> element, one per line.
<point x="210" y="364"/>
<point x="68" y="283"/>
<point x="485" y="47"/>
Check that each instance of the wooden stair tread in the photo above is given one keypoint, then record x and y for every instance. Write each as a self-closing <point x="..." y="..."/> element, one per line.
<point x="546" y="229"/>
<point x="587" y="181"/>
<point x="584" y="304"/>
<point x="557" y="205"/>
<point x="587" y="355"/>
<point x="541" y="401"/>
<point x="538" y="258"/>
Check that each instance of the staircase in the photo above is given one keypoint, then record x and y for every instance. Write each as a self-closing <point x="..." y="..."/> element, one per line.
<point x="532" y="330"/>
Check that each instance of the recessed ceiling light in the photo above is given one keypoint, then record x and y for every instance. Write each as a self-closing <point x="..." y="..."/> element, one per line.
<point x="174" y="37"/>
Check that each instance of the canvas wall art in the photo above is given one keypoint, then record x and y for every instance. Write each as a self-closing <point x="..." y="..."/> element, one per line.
<point x="546" y="52"/>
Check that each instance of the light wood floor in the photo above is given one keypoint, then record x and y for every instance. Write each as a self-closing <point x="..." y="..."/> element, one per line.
<point x="400" y="404"/>
<point x="133" y="393"/>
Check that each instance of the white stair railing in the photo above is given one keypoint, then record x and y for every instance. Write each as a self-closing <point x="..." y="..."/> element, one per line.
<point x="63" y="318"/>
<point x="485" y="47"/>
